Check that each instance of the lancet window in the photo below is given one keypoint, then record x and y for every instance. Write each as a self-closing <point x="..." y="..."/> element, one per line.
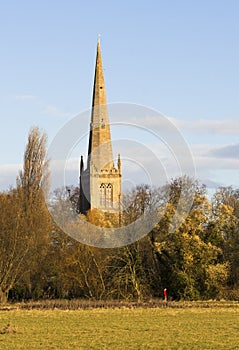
<point x="106" y="195"/>
<point x="109" y="195"/>
<point x="102" y="195"/>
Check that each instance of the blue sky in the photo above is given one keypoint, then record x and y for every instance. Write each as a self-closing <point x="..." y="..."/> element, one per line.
<point x="178" y="57"/>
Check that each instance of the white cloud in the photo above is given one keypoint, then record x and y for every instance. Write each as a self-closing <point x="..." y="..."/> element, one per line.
<point x="218" y="168"/>
<point x="8" y="175"/>
<point x="205" y="126"/>
<point x="157" y="164"/>
<point x="215" y="157"/>
<point x="213" y="164"/>
<point x="228" y="152"/>
<point x="197" y="126"/>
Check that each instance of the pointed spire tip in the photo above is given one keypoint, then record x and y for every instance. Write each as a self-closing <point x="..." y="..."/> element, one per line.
<point x="99" y="36"/>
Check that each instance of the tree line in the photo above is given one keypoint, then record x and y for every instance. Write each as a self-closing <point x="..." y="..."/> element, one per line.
<point x="197" y="260"/>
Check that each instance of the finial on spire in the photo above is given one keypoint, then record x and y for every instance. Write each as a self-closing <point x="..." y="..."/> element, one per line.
<point x="99" y="36"/>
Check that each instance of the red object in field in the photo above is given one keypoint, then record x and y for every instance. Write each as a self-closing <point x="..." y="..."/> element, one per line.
<point x="165" y="292"/>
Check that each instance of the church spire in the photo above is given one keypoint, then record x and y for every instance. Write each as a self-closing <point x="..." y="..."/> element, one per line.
<point x="100" y="180"/>
<point x="100" y="137"/>
<point x="99" y="94"/>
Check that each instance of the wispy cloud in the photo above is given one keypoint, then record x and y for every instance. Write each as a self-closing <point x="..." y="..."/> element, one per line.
<point x="205" y="126"/>
<point x="156" y="121"/>
<point x="25" y="97"/>
<point x="54" y="112"/>
<point x="211" y="184"/>
<point x="230" y="151"/>
<point x="45" y="109"/>
<point x="8" y="175"/>
<point x="209" y="157"/>
<point x="197" y="126"/>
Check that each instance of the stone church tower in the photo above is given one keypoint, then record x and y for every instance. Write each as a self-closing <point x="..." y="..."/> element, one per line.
<point x="101" y="181"/>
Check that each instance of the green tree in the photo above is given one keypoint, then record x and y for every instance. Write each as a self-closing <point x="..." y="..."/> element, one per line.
<point x="186" y="255"/>
<point x="225" y="226"/>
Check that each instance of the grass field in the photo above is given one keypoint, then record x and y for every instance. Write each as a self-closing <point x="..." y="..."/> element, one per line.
<point x="137" y="328"/>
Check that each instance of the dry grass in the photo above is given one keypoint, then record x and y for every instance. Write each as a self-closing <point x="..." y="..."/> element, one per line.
<point x="122" y="328"/>
<point x="8" y="329"/>
<point x="84" y="304"/>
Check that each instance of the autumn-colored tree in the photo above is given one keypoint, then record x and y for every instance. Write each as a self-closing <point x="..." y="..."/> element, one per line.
<point x="25" y="221"/>
<point x="225" y="228"/>
<point x="14" y="246"/>
<point x="186" y="256"/>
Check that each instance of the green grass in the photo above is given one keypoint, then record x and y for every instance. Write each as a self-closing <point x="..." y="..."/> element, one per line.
<point x="158" y="328"/>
